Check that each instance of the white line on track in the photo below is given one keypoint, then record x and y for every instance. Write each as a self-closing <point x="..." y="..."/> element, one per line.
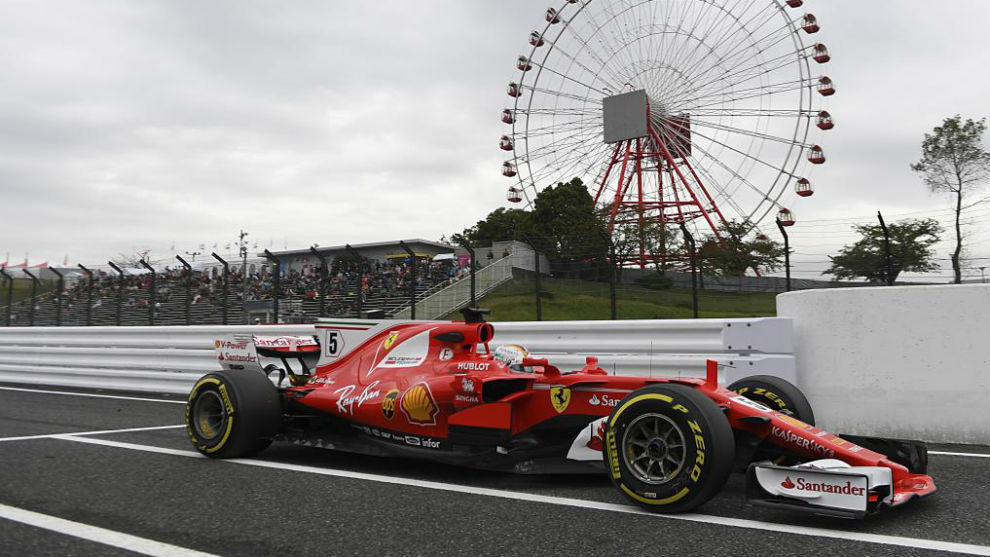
<point x="972" y="455"/>
<point x="101" y="432"/>
<point x="899" y="541"/>
<point x="96" y="534"/>
<point x="93" y="395"/>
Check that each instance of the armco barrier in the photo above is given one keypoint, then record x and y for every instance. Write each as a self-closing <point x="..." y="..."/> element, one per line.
<point x="170" y="359"/>
<point x="911" y="362"/>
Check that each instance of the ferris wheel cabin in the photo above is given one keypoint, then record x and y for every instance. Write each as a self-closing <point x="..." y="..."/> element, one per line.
<point x="810" y="24"/>
<point x="505" y="143"/>
<point x="785" y="217"/>
<point x="821" y="54"/>
<point x="513" y="195"/>
<point x="825" y="87"/>
<point x="816" y="155"/>
<point x="803" y="188"/>
<point x="825" y="120"/>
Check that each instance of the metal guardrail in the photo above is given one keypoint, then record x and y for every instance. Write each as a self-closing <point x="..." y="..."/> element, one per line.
<point x="169" y="359"/>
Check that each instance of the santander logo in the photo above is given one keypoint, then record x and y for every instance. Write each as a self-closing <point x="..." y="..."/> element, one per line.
<point x="823" y="487"/>
<point x="603" y="401"/>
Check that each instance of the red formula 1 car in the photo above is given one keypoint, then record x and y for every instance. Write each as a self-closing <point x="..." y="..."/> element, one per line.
<point x="440" y="391"/>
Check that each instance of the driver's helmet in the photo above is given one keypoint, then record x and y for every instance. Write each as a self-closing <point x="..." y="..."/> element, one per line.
<point x="511" y="355"/>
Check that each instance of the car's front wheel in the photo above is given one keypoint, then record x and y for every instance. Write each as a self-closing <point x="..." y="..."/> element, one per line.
<point x="231" y="414"/>
<point x="668" y="448"/>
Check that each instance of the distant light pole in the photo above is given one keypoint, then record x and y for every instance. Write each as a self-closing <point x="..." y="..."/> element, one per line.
<point x="242" y="243"/>
<point x="983" y="277"/>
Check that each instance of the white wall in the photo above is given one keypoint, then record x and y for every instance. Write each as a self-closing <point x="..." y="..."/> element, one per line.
<point x="910" y="362"/>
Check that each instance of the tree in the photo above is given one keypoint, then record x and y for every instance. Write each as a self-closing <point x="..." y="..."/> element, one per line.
<point x="566" y="224"/>
<point x="659" y="240"/>
<point x="911" y="250"/>
<point x="500" y="224"/>
<point x="733" y="254"/>
<point x="953" y="161"/>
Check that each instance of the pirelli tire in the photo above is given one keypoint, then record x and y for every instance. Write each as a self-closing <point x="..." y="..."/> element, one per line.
<point x="231" y="414"/>
<point x="668" y="448"/>
<point x="777" y="394"/>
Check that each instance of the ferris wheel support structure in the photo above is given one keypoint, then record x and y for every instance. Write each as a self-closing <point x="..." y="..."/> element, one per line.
<point x="672" y="112"/>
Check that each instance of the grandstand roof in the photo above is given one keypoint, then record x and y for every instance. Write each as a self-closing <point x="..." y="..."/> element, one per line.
<point x="359" y="247"/>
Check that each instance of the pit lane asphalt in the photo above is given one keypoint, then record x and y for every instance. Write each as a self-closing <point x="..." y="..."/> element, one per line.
<point x="228" y="508"/>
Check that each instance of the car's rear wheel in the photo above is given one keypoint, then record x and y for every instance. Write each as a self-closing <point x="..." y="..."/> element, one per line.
<point x="232" y="413"/>
<point x="668" y="448"/>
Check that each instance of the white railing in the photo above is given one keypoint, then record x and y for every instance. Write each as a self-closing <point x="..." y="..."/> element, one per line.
<point x="458" y="294"/>
<point x="170" y="359"/>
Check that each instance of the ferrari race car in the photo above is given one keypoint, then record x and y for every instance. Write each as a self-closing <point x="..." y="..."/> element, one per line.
<point x="441" y="391"/>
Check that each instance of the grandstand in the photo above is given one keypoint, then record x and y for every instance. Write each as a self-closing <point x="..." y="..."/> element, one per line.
<point x="382" y="274"/>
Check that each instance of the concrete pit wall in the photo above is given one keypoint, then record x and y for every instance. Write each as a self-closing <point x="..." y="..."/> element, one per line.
<point x="906" y="362"/>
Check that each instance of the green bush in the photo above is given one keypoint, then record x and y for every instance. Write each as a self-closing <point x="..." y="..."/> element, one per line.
<point x="655" y="281"/>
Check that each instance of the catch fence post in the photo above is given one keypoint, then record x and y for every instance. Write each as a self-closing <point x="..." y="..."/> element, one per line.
<point x="324" y="276"/>
<point x="694" y="270"/>
<point x="412" y="279"/>
<point x="474" y="285"/>
<point x="60" y="285"/>
<point x="188" y="286"/>
<point x="536" y="265"/>
<point x="787" y="254"/>
<point x="152" y="298"/>
<point x="226" y="278"/>
<point x="34" y="293"/>
<point x="360" y="287"/>
<point x="614" y="313"/>
<point x="276" y="282"/>
<point x="10" y="293"/>
<point x="888" y="265"/>
<point x="120" y="288"/>
<point x="89" y="295"/>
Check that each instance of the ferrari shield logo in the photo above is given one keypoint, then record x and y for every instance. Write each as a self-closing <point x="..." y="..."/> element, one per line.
<point x="390" y="340"/>
<point x="560" y="397"/>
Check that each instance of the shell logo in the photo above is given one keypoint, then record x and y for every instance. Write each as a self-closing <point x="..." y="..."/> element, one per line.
<point x="216" y="344"/>
<point x="418" y="405"/>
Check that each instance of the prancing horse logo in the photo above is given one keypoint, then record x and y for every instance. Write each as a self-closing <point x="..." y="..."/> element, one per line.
<point x="560" y="397"/>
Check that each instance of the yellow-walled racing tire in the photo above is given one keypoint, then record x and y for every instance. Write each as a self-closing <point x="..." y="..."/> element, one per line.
<point x="776" y="394"/>
<point x="231" y="414"/>
<point x="668" y="448"/>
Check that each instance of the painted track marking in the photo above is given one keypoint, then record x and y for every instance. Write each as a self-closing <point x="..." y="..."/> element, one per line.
<point x="96" y="534"/>
<point x="972" y="455"/>
<point x="92" y="395"/>
<point x="881" y="539"/>
<point x="100" y="432"/>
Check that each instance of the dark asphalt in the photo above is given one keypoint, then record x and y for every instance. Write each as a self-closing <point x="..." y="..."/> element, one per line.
<point x="233" y="509"/>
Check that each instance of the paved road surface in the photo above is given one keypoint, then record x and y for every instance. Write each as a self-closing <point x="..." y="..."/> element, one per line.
<point x="74" y="484"/>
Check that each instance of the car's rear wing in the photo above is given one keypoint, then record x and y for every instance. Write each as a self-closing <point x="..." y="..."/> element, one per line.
<point x="248" y="352"/>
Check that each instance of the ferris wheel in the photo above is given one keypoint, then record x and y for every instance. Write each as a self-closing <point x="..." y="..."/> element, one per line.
<point x="692" y="112"/>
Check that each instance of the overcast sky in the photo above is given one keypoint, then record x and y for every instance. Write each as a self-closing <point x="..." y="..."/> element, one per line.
<point x="130" y="125"/>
